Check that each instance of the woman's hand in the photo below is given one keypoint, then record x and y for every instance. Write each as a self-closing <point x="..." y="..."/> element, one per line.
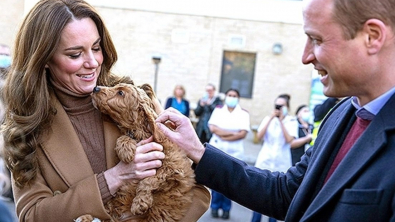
<point x="147" y="159"/>
<point x="276" y="113"/>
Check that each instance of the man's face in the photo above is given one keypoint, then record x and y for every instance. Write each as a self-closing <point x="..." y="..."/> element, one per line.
<point x="340" y="62"/>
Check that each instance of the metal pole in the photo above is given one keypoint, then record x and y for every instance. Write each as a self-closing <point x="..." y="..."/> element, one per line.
<point x="156" y="76"/>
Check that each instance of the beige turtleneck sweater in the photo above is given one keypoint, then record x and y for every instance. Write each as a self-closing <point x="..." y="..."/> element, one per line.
<point x="88" y="124"/>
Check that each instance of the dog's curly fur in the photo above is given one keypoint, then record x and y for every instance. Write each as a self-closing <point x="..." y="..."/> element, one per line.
<point x="165" y="196"/>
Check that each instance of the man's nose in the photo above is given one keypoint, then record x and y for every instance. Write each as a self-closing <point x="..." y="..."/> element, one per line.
<point x="308" y="54"/>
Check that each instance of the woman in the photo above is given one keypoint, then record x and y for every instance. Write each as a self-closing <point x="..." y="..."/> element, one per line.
<point x="229" y="125"/>
<point x="178" y="101"/>
<point x="302" y="142"/>
<point x="277" y="131"/>
<point x="204" y="109"/>
<point x="59" y="148"/>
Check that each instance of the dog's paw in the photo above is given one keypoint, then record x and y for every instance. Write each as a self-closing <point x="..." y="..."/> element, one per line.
<point x="140" y="207"/>
<point x="126" y="148"/>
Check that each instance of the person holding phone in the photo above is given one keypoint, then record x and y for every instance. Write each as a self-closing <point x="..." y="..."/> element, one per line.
<point x="277" y="131"/>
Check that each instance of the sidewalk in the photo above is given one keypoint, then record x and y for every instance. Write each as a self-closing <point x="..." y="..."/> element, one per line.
<point x="251" y="149"/>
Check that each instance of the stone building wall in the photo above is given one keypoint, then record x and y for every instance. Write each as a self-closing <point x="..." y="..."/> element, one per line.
<point x="191" y="47"/>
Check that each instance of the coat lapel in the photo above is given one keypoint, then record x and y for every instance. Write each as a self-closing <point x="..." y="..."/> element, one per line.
<point x="366" y="147"/>
<point x="111" y="134"/>
<point x="65" y="152"/>
<point x="323" y="147"/>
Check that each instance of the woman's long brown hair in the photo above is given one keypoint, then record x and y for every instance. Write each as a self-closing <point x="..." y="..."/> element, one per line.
<point x="29" y="110"/>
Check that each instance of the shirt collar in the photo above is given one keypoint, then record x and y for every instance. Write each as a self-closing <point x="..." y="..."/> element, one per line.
<point x="371" y="109"/>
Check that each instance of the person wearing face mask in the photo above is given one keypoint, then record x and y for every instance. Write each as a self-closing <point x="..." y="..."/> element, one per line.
<point x="5" y="59"/>
<point x="305" y="129"/>
<point x="6" y="196"/>
<point x="277" y="132"/>
<point x="229" y="124"/>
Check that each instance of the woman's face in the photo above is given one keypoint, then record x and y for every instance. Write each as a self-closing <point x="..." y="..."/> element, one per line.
<point x="232" y="94"/>
<point x="280" y="102"/>
<point x="303" y="111"/>
<point x="77" y="61"/>
<point x="179" y="92"/>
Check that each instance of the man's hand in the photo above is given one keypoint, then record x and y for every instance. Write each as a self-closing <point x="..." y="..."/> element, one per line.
<point x="183" y="133"/>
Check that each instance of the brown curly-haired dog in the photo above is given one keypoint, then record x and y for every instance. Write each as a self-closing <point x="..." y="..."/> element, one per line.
<point x="165" y="196"/>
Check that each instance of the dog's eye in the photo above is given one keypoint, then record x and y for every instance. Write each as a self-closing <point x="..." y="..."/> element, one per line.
<point x="121" y="93"/>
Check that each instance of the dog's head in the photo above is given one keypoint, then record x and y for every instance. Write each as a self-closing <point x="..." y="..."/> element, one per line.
<point x="128" y="105"/>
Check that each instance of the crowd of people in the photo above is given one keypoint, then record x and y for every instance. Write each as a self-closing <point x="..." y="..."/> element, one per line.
<point x="59" y="148"/>
<point x="344" y="176"/>
<point x="224" y="124"/>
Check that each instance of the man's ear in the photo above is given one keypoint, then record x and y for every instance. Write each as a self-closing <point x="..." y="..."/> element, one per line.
<point x="376" y="35"/>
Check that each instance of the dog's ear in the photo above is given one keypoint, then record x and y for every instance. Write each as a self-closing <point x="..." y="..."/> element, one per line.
<point x="151" y="94"/>
<point x="150" y="115"/>
<point x="148" y="89"/>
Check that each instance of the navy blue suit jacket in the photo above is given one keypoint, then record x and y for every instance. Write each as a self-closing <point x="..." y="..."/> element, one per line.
<point x="361" y="188"/>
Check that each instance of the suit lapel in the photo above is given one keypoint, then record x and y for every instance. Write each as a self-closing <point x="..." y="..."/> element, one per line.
<point x="366" y="147"/>
<point x="323" y="147"/>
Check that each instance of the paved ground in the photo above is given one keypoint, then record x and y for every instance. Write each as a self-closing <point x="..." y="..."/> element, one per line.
<point x="239" y="213"/>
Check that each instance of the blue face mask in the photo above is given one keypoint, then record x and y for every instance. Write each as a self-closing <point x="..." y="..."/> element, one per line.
<point x="284" y="110"/>
<point x="231" y="101"/>
<point x="306" y="117"/>
<point x="5" y="61"/>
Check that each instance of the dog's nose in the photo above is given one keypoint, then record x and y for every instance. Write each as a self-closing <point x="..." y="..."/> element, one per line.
<point x="96" y="89"/>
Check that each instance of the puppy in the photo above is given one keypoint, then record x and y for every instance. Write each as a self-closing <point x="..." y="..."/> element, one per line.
<point x="165" y="196"/>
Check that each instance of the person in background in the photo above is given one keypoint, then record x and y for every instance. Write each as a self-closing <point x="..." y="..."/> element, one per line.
<point x="5" y="59"/>
<point x="347" y="175"/>
<point x="205" y="107"/>
<point x="59" y="148"/>
<point x="322" y="109"/>
<point x="320" y="112"/>
<point x="7" y="205"/>
<point x="300" y="144"/>
<point x="229" y="124"/>
<point x="277" y="132"/>
<point x="178" y="101"/>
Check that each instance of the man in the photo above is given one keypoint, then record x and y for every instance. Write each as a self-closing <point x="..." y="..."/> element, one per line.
<point x="347" y="175"/>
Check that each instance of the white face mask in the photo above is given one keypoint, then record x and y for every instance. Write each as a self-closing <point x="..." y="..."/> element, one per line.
<point x="5" y="61"/>
<point x="231" y="101"/>
<point x="305" y="117"/>
<point x="285" y="110"/>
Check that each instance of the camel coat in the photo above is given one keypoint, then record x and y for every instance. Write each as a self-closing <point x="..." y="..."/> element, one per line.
<point x="66" y="187"/>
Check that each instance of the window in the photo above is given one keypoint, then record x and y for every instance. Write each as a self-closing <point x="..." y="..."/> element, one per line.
<point x="238" y="70"/>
